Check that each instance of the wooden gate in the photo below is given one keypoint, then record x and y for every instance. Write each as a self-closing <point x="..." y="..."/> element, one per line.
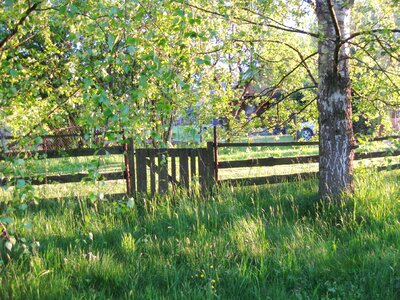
<point x="155" y="170"/>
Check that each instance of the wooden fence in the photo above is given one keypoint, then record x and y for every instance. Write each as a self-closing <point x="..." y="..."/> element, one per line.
<point x="152" y="170"/>
<point x="273" y="161"/>
<point x="66" y="178"/>
<point x="156" y="170"/>
<point x="146" y="170"/>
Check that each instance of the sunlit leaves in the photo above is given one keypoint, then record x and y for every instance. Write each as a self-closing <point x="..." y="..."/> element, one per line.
<point x="136" y="54"/>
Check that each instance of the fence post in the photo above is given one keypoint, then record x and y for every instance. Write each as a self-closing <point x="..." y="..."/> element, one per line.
<point x="184" y="168"/>
<point x="141" y="156"/>
<point x="210" y="164"/>
<point x="3" y="143"/>
<point x="127" y="172"/>
<point x="130" y="167"/>
<point x="152" y="158"/>
<point x="215" y="154"/>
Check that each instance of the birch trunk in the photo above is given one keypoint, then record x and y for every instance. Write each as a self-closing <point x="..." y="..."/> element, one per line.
<point x="336" y="139"/>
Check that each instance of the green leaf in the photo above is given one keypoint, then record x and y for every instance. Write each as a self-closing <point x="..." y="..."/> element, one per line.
<point x="127" y="68"/>
<point x="131" y="50"/>
<point x="179" y="12"/>
<point x="19" y="162"/>
<point x="13" y="72"/>
<point x="131" y="41"/>
<point x="199" y="61"/>
<point x="113" y="11"/>
<point x="143" y="81"/>
<point x="12" y="240"/>
<point x="73" y="10"/>
<point x="207" y="60"/>
<point x="110" y="41"/>
<point x="38" y="140"/>
<point x="108" y="113"/>
<point x="131" y="203"/>
<point x="23" y="206"/>
<point x="9" y="4"/>
<point x="8" y="245"/>
<point x="7" y="220"/>
<point x="87" y="82"/>
<point x="20" y="183"/>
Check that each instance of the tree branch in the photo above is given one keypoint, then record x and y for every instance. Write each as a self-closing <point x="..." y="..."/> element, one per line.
<point x="381" y="69"/>
<point x="298" y="112"/>
<point x="19" y="23"/>
<point x="387" y="51"/>
<point x="283" y="28"/>
<point x="302" y="58"/>
<point x="280" y="25"/>
<point x="291" y="71"/>
<point x="47" y="116"/>
<point x="337" y="30"/>
<point x="257" y="112"/>
<point x="4" y="232"/>
<point x="334" y="18"/>
<point x="368" y="67"/>
<point x="369" y="32"/>
<point x="395" y="105"/>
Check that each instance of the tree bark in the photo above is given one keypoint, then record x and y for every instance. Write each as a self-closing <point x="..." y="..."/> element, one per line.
<point x="336" y="139"/>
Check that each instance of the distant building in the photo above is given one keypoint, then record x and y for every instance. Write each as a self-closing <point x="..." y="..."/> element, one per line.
<point x="395" y="118"/>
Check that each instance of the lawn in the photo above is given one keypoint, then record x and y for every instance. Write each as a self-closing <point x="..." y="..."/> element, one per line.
<point x="270" y="242"/>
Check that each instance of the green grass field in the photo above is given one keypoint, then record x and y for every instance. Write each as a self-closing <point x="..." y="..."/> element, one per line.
<point x="271" y="242"/>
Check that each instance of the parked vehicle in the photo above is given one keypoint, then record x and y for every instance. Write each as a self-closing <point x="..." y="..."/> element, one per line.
<point x="307" y="130"/>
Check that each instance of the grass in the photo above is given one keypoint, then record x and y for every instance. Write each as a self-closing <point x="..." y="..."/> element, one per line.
<point x="270" y="242"/>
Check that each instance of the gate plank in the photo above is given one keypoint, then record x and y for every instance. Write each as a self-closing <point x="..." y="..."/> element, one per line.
<point x="152" y="172"/>
<point x="131" y="164"/>
<point x="141" y="170"/>
<point x="210" y="166"/>
<point x="173" y="167"/>
<point x="202" y="153"/>
<point x="193" y="154"/>
<point x="163" y="172"/>
<point x="184" y="168"/>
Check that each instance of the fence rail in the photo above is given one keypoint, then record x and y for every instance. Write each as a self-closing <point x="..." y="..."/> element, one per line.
<point x="293" y="144"/>
<point x="272" y="161"/>
<point x="62" y="135"/>
<point x="262" y="144"/>
<point x="269" y="179"/>
<point x="67" y="178"/>
<point x="66" y="153"/>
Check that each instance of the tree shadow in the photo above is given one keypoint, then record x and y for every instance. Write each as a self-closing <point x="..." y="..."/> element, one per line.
<point x="243" y="243"/>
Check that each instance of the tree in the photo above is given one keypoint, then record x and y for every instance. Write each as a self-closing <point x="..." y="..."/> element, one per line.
<point x="108" y="65"/>
<point x="336" y="139"/>
<point x="337" y="142"/>
<point x="136" y="66"/>
<point x="368" y="45"/>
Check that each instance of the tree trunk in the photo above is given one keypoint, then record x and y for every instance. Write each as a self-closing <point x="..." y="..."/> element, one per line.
<point x="336" y="139"/>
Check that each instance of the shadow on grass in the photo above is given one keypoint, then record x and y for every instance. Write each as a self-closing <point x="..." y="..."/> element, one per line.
<point x="276" y="241"/>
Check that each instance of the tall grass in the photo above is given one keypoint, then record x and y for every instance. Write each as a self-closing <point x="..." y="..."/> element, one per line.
<point x="270" y="242"/>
